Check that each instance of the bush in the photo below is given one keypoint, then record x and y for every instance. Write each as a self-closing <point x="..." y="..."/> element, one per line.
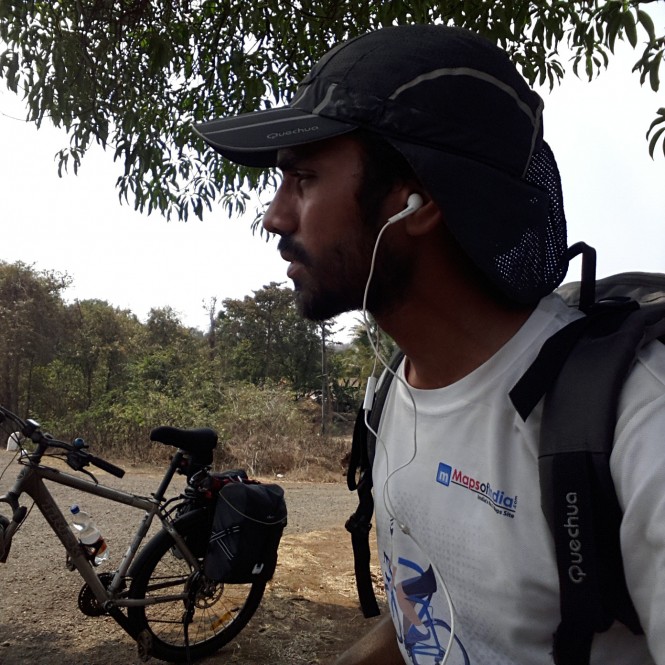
<point x="264" y="430"/>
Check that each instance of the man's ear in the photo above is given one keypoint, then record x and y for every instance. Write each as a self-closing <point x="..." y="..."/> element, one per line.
<point x="425" y="219"/>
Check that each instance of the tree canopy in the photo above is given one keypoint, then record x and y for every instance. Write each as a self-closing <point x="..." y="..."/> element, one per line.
<point x="264" y="338"/>
<point x="133" y="75"/>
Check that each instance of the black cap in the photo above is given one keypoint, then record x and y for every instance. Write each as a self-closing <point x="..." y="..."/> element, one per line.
<point x="459" y="111"/>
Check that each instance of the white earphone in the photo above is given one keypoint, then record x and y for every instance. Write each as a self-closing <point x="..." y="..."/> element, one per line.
<point x="414" y="202"/>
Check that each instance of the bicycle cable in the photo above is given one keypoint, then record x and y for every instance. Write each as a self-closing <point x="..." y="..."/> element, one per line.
<point x="11" y="461"/>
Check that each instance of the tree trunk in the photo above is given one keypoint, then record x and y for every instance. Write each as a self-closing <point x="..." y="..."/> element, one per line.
<point x="325" y="390"/>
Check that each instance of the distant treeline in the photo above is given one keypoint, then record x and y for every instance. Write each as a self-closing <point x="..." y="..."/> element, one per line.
<point x="261" y="375"/>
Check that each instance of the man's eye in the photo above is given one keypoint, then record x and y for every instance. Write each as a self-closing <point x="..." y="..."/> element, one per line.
<point x="298" y="178"/>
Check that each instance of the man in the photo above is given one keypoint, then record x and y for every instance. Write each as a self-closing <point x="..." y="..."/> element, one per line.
<point x="424" y="146"/>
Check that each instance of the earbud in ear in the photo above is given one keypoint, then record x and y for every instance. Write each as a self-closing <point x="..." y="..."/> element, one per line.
<point x="414" y="202"/>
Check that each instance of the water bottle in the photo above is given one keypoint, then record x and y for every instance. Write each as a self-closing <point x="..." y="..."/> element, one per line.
<point x="89" y="535"/>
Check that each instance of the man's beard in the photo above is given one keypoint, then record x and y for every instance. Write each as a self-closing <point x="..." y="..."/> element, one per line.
<point x="336" y="283"/>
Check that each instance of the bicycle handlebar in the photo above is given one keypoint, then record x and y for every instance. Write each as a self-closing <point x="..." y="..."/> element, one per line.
<point x="77" y="458"/>
<point x="102" y="464"/>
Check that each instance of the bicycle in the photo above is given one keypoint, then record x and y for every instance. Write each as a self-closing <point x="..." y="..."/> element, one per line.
<point x="159" y="594"/>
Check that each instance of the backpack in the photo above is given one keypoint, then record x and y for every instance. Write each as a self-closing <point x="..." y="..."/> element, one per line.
<point x="580" y="372"/>
<point x="247" y="526"/>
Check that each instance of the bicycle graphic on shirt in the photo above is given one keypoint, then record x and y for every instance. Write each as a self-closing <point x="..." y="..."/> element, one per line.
<point x="422" y="635"/>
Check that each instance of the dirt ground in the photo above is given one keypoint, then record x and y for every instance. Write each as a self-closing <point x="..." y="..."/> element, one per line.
<point x="309" y="611"/>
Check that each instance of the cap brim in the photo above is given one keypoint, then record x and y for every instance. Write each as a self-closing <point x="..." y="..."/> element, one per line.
<point x="253" y="139"/>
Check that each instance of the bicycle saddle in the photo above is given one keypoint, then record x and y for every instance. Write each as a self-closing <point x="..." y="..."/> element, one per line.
<point x="197" y="441"/>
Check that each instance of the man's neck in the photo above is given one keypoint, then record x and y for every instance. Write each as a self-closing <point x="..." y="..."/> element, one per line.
<point x="444" y="342"/>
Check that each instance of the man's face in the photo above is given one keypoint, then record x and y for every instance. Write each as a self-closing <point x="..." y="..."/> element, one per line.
<point x="324" y="237"/>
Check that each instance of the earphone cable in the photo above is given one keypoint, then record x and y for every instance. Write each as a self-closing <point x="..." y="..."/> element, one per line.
<point x="378" y="357"/>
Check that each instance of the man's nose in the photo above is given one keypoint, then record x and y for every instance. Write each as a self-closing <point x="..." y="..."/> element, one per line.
<point x="281" y="217"/>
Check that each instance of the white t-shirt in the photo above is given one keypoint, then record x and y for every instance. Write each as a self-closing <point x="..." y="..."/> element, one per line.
<point x="460" y="504"/>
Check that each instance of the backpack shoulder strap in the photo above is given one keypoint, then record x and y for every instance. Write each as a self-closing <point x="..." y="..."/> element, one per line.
<point x="577" y="491"/>
<point x="581" y="371"/>
<point x="359" y="478"/>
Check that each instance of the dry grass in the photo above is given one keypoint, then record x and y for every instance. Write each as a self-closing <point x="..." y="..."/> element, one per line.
<point x="304" y="458"/>
<point x="278" y="435"/>
<point x="266" y="437"/>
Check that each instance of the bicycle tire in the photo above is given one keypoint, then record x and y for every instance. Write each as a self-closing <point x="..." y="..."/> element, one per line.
<point x="219" y="615"/>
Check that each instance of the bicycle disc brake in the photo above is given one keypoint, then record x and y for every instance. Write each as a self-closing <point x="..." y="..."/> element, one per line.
<point x="88" y="604"/>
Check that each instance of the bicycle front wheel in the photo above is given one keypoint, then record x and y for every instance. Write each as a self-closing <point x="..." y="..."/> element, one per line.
<point x="168" y="583"/>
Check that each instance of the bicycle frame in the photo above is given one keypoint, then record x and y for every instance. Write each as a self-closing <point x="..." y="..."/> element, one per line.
<point x="30" y="481"/>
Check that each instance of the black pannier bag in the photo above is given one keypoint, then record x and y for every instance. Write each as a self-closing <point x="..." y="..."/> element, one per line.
<point x="247" y="527"/>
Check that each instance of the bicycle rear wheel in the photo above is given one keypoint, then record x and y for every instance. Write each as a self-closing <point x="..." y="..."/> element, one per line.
<point x="160" y="574"/>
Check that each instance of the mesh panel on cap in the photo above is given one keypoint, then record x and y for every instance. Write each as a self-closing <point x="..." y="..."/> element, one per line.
<point x="537" y="264"/>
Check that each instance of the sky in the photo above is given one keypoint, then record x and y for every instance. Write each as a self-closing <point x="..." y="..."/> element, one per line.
<point x="614" y="197"/>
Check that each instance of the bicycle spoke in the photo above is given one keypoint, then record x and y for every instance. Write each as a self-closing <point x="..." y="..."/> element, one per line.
<point x="168" y="584"/>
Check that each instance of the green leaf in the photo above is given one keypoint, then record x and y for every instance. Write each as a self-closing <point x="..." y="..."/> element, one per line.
<point x="660" y="119"/>
<point x="647" y="23"/>
<point x="589" y="66"/>
<point x="630" y="28"/>
<point x="654" y="65"/>
<point x="657" y="121"/>
<point x="654" y="140"/>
